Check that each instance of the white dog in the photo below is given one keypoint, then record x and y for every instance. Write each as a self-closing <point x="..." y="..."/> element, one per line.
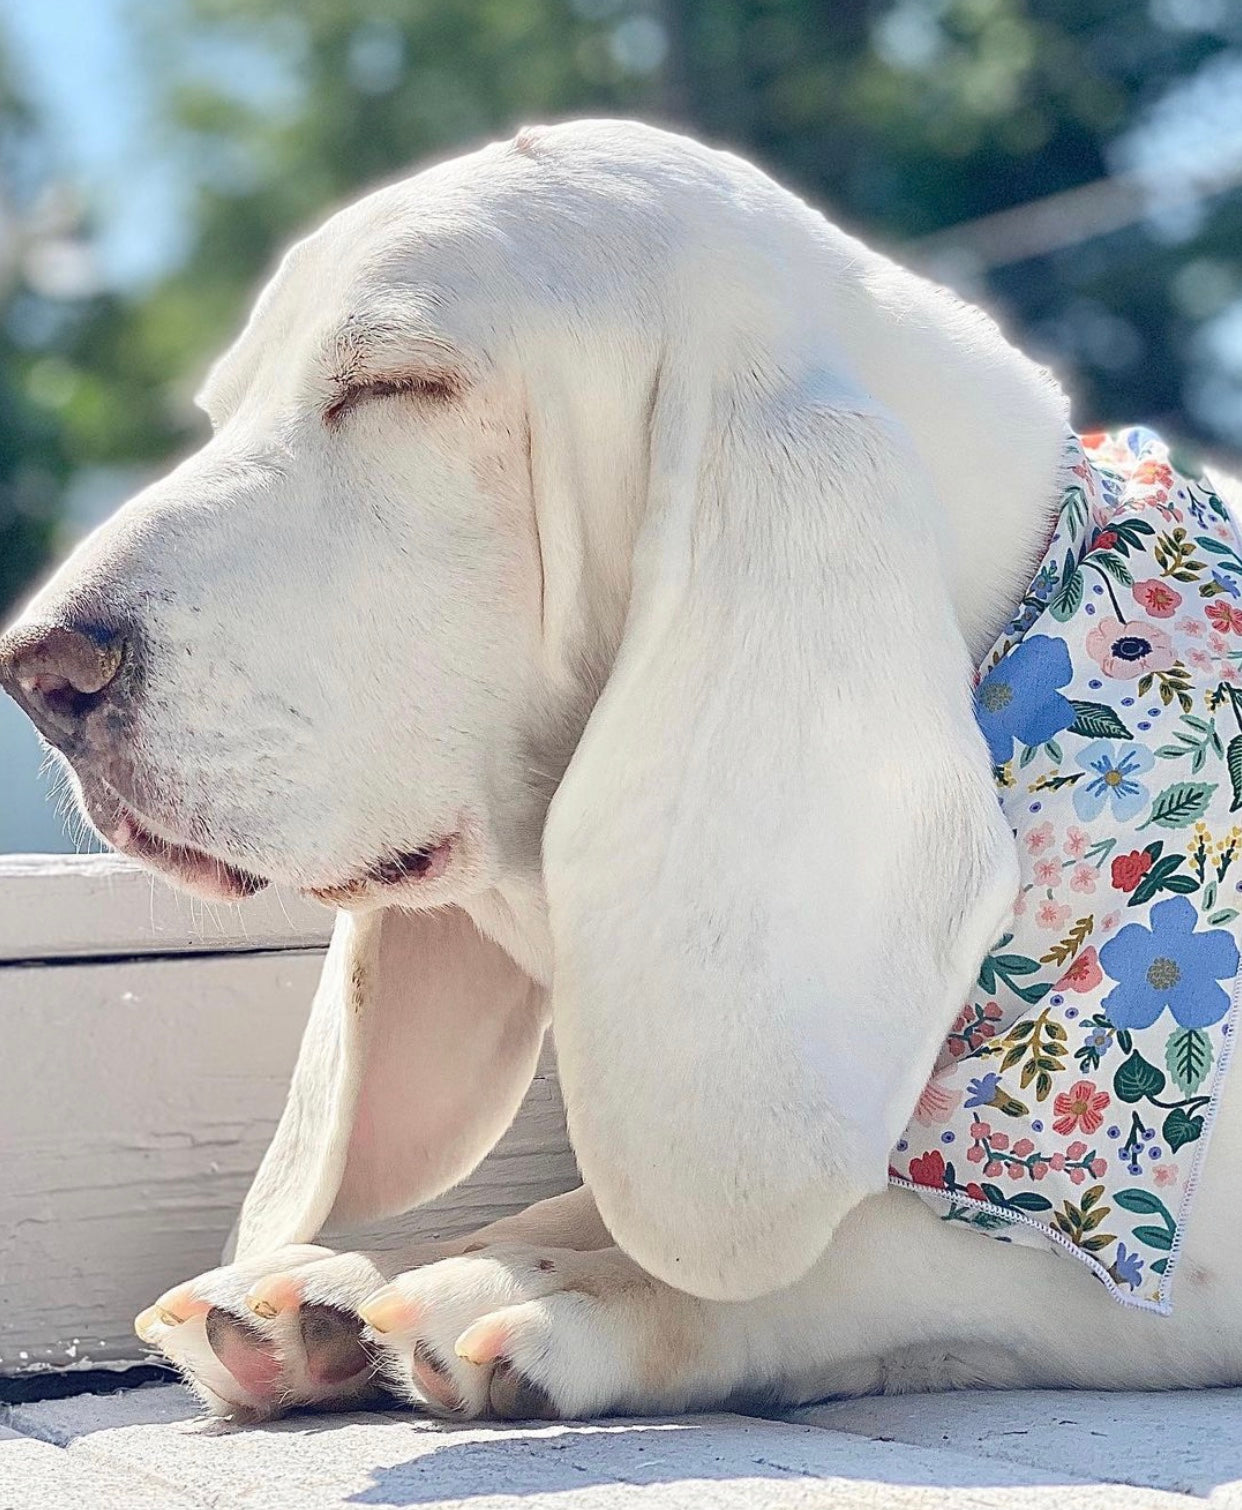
<point x="571" y="507"/>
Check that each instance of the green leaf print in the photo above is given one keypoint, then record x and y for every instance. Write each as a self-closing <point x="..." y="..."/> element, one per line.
<point x="1233" y="759"/>
<point x="1179" y="1128"/>
<point x="1137" y="1079"/>
<point x="1098" y="721"/>
<point x="1068" y="599"/>
<point x="1180" y="804"/>
<point x="1188" y="1055"/>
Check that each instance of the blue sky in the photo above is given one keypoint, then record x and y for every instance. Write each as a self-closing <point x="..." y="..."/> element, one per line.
<point x="76" y="62"/>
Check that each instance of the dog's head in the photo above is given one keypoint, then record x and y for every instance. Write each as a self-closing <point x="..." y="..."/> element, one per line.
<point x="573" y="473"/>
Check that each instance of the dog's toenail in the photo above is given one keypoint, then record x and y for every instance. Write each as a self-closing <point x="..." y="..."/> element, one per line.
<point x="389" y="1311"/>
<point x="271" y="1296"/>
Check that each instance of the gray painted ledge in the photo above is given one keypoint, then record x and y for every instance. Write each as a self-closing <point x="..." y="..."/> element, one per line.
<point x="1028" y="1451"/>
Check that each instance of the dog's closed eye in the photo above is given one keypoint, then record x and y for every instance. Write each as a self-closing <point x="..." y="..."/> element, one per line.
<point x="438" y="387"/>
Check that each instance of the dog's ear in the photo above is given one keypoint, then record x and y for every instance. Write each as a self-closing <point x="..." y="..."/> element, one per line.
<point x="776" y="857"/>
<point x="421" y="1043"/>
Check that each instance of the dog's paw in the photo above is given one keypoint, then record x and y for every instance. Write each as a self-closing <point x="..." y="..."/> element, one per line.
<point x="260" y="1337"/>
<point x="517" y="1332"/>
<point x="509" y="1331"/>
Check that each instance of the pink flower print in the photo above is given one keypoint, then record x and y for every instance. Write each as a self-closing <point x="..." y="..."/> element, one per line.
<point x="1047" y="872"/>
<point x="1038" y="1169"/>
<point x="1225" y="617"/>
<point x="1052" y="915"/>
<point x="1218" y="644"/>
<point x="1057" y="1161"/>
<point x="1083" y="879"/>
<point x="974" y="1155"/>
<point x="937" y="1104"/>
<point x="1109" y="921"/>
<point x="1040" y="838"/>
<point x="1084" y="974"/>
<point x="1079" y="1108"/>
<point x="1019" y="904"/>
<point x="1076" y="841"/>
<point x="980" y="1129"/>
<point x="1227" y="672"/>
<point x="1128" y="651"/>
<point x="993" y="1167"/>
<point x="1158" y="598"/>
<point x="1199" y="659"/>
<point x="1192" y="627"/>
<point x="1078" y="1175"/>
<point x="1165" y="1174"/>
<point x="1098" y="1166"/>
<point x="1000" y="1140"/>
<point x="1022" y="1147"/>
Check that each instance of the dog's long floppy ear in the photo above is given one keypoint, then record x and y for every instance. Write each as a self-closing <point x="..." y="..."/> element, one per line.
<point x="421" y="1043"/>
<point x="776" y="857"/>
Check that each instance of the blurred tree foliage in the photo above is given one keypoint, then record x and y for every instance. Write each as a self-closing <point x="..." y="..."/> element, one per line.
<point x="903" y="116"/>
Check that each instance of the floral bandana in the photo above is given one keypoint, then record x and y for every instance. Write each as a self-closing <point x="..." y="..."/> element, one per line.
<point x="1071" y="1103"/>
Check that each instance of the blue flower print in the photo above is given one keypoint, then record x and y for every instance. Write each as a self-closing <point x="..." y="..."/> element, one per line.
<point x="982" y="1092"/>
<point x="1127" y="1268"/>
<point x="1226" y="584"/>
<point x="1113" y="768"/>
<point x="1019" y="697"/>
<point x="1168" y="965"/>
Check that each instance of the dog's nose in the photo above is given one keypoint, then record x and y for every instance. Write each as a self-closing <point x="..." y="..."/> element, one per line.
<point x="59" y="673"/>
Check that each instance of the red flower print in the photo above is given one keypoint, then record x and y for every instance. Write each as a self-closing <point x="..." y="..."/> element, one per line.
<point x="1158" y="598"/>
<point x="1129" y="870"/>
<point x="929" y="1170"/>
<point x="1104" y="541"/>
<point x="1154" y="473"/>
<point x="1081" y="1108"/>
<point x="1085" y="973"/>
<point x="1225" y="616"/>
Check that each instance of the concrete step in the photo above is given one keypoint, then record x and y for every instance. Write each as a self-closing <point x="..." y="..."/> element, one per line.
<point x="1013" y="1452"/>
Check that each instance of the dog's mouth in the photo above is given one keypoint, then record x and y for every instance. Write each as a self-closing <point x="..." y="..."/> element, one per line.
<point x="216" y="879"/>
<point x="196" y="870"/>
<point x="398" y="869"/>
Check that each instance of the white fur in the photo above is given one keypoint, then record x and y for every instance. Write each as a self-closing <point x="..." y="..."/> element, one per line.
<point x="606" y="615"/>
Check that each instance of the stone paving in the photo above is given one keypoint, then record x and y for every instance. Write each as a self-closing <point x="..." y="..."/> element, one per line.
<point x="148" y="1449"/>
